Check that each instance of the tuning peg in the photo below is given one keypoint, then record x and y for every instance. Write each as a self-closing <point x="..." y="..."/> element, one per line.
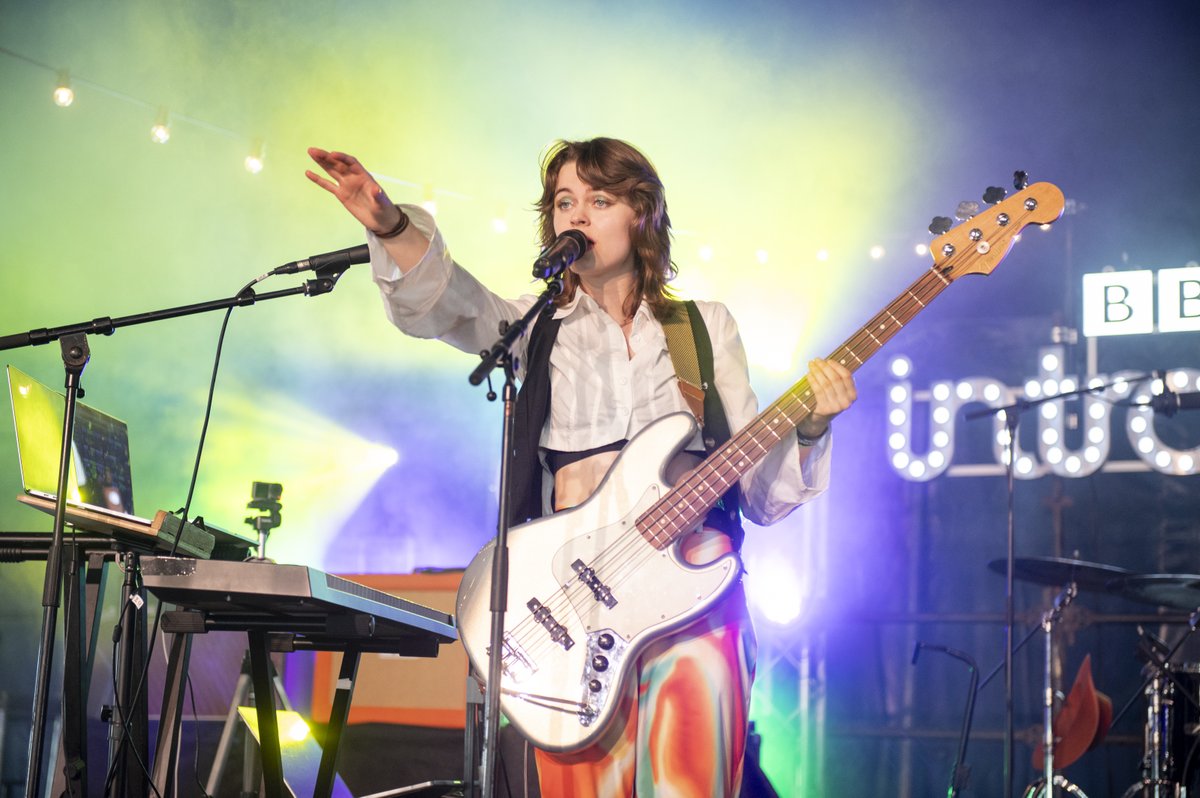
<point x="1020" y="179"/>
<point x="994" y="194"/>
<point x="966" y="209"/>
<point x="940" y="224"/>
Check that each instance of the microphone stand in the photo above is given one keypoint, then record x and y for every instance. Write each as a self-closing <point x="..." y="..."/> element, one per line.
<point x="75" y="355"/>
<point x="960" y="772"/>
<point x="501" y="354"/>
<point x="1012" y="413"/>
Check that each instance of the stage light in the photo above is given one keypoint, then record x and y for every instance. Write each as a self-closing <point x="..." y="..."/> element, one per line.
<point x="921" y="249"/>
<point x="64" y="95"/>
<point x="898" y="393"/>
<point x="295" y="729"/>
<point x="1049" y="436"/>
<point x="761" y="256"/>
<point x="777" y="590"/>
<point x="876" y="252"/>
<point x="705" y="252"/>
<point x="161" y="132"/>
<point x="900" y="367"/>
<point x="254" y="161"/>
<point x="822" y="254"/>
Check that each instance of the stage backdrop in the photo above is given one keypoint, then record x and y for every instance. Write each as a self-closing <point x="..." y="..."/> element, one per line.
<point x="804" y="147"/>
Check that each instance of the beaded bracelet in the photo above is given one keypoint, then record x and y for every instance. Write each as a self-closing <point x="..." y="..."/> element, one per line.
<point x="397" y="229"/>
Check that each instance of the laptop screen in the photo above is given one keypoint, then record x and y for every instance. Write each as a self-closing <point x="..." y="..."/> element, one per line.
<point x="100" y="471"/>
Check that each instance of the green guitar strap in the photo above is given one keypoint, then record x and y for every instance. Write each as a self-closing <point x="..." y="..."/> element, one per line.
<point x="691" y="353"/>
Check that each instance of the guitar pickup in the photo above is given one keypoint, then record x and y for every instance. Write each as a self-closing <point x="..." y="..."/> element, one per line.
<point x="600" y="590"/>
<point x="558" y="632"/>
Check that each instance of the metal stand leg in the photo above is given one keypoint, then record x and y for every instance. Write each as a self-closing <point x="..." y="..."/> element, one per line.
<point x="471" y="739"/>
<point x="165" y="775"/>
<point x="241" y="697"/>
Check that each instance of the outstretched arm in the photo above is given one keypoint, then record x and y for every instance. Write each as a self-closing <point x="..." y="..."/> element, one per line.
<point x="367" y="202"/>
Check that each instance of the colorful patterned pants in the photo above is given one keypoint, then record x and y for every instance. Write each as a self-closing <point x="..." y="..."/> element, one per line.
<point x="681" y="730"/>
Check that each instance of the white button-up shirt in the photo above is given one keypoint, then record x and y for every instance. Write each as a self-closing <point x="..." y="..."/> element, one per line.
<point x="598" y="393"/>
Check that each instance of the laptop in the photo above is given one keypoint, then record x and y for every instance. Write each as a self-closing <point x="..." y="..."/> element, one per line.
<point x="100" y="478"/>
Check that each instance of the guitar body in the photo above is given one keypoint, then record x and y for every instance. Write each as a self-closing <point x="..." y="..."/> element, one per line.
<point x="572" y="636"/>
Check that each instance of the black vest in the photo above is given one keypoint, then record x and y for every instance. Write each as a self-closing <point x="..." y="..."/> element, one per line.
<point x="533" y="408"/>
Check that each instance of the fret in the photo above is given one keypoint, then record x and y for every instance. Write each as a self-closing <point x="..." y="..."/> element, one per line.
<point x="684" y="506"/>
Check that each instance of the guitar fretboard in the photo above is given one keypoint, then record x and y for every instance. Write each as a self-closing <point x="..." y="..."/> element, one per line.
<point x="973" y="248"/>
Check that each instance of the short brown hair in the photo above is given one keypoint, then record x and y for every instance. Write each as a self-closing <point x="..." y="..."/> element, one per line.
<point x="618" y="167"/>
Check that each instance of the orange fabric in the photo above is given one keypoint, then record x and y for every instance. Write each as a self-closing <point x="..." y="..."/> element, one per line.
<point x="681" y="730"/>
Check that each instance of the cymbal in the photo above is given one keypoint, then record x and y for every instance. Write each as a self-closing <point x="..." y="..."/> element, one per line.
<point x="1178" y="591"/>
<point x="1058" y="571"/>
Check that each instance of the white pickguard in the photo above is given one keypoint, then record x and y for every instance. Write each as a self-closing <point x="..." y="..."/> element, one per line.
<point x="551" y="693"/>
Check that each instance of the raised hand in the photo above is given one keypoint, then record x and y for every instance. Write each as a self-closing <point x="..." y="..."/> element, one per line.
<point x="354" y="187"/>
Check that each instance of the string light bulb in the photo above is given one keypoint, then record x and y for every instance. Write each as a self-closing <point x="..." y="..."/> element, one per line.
<point x="64" y="95"/>
<point x="500" y="220"/>
<point x="427" y="200"/>
<point x="258" y="154"/>
<point x="161" y="132"/>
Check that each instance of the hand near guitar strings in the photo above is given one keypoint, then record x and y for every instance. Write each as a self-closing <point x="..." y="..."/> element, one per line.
<point x="833" y="388"/>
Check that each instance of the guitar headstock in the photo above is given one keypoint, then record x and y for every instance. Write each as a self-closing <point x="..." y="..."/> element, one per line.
<point x="979" y="244"/>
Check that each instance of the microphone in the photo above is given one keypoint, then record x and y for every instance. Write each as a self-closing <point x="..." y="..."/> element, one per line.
<point x="1168" y="402"/>
<point x="566" y="249"/>
<point x="341" y="258"/>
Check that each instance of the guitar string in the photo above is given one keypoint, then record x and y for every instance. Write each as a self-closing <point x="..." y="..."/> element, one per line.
<point x="670" y="519"/>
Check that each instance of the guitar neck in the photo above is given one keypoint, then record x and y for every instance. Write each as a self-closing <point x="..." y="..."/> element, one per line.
<point x="686" y="505"/>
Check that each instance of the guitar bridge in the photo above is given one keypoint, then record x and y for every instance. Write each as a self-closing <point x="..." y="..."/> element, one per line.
<point x="600" y="590"/>
<point x="515" y="662"/>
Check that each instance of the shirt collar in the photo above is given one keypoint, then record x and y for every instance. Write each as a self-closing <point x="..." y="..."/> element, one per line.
<point x="591" y="306"/>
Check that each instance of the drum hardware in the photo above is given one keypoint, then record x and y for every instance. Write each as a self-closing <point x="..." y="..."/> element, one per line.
<point x="1166" y="730"/>
<point x="1177" y="591"/>
<point x="1038" y="789"/>
<point x="960" y="773"/>
<point x="1058" y="571"/>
